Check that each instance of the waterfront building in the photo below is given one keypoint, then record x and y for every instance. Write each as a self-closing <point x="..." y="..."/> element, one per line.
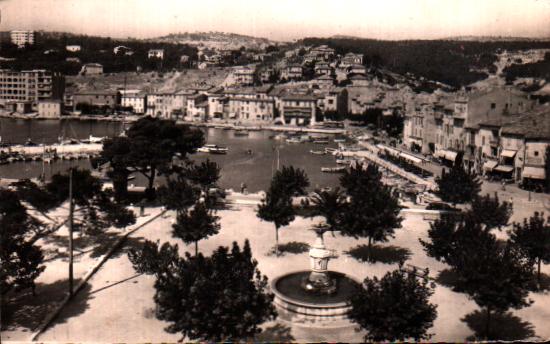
<point x="250" y="104"/>
<point x="22" y="37"/>
<point x="30" y="85"/>
<point x="197" y="107"/>
<point x="96" y="98"/>
<point x="21" y="106"/>
<point x="50" y="108"/>
<point x="137" y="100"/>
<point x="299" y="109"/>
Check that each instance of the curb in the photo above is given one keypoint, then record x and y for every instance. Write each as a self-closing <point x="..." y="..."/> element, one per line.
<point x="47" y="322"/>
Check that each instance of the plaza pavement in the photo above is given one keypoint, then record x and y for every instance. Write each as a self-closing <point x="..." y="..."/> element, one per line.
<point x="117" y="305"/>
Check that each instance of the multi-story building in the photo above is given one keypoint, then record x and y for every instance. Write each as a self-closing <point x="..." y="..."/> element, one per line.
<point x="323" y="69"/>
<point x="197" y="107"/>
<point x="244" y="75"/>
<point x="292" y="72"/>
<point x="136" y="100"/>
<point x="299" y="109"/>
<point x="352" y="59"/>
<point x="96" y="98"/>
<point x="250" y="104"/>
<point x="22" y="37"/>
<point x="50" y="108"/>
<point x="31" y="85"/>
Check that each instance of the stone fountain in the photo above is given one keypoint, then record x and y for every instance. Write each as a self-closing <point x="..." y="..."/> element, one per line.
<point x="318" y="297"/>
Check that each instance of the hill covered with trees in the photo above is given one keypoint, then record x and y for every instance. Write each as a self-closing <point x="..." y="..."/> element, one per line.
<point x="455" y="63"/>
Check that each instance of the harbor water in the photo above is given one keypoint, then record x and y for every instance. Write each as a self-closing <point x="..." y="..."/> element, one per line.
<point x="251" y="159"/>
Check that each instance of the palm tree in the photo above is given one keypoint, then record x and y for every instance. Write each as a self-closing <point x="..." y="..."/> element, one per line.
<point x="328" y="204"/>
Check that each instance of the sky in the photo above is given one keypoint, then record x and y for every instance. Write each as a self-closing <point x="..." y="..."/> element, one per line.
<point x="283" y="20"/>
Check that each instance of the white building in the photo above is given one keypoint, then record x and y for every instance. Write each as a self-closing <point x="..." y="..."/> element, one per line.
<point x="156" y="53"/>
<point x="137" y="101"/>
<point x="22" y="37"/>
<point x="50" y="108"/>
<point x="73" y="48"/>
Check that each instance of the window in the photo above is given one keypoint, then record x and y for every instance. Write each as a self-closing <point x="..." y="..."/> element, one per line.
<point x="483" y="140"/>
<point x="536" y="153"/>
<point x="493" y="105"/>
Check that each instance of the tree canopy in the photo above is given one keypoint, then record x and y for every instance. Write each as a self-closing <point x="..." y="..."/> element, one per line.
<point x="197" y="224"/>
<point x="219" y="298"/>
<point x="373" y="208"/>
<point x="20" y="259"/>
<point x="458" y="185"/>
<point x="533" y="237"/>
<point x="150" y="147"/>
<point x="394" y="308"/>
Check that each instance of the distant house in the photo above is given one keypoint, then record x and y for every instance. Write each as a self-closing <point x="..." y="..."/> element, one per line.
<point x="121" y="49"/>
<point x="156" y="53"/>
<point x="324" y="81"/>
<point x="292" y="72"/>
<point x="91" y="69"/>
<point x="323" y="69"/>
<point x="73" y="60"/>
<point x="50" y="108"/>
<point x="352" y="58"/>
<point x="244" y="75"/>
<point x="359" y="80"/>
<point x="73" y="48"/>
<point x="357" y="69"/>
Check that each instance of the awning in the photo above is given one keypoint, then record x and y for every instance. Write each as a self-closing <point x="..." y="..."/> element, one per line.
<point x="489" y="165"/>
<point x="446" y="154"/>
<point x="508" y="153"/>
<point x="504" y="168"/>
<point x="411" y="158"/>
<point x="533" y="172"/>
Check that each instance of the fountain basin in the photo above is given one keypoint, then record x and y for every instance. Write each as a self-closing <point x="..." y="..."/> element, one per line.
<point x="296" y="304"/>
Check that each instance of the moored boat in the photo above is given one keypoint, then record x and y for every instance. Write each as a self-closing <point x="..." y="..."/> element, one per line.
<point x="314" y="152"/>
<point x="213" y="149"/>
<point x="337" y="169"/>
<point x="241" y="132"/>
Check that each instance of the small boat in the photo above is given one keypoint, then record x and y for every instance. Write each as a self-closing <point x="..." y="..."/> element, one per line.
<point x="320" y="141"/>
<point x="340" y="140"/>
<point x="294" y="140"/>
<point x="241" y="132"/>
<point x="213" y="149"/>
<point x="343" y="162"/>
<point x="219" y="127"/>
<point x="338" y="169"/>
<point x="314" y="152"/>
<point x="331" y="150"/>
<point x="96" y="139"/>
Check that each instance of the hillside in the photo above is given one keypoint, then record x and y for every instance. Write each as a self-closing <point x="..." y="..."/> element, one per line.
<point x="454" y="63"/>
<point x="216" y="40"/>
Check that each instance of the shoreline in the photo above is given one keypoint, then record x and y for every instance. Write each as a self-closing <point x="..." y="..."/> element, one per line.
<point x="131" y="119"/>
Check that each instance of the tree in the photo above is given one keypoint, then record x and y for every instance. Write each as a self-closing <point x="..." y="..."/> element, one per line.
<point x="293" y="181"/>
<point x="495" y="275"/>
<point x="117" y="151"/>
<point x="20" y="259"/>
<point x="394" y="308"/>
<point x="276" y="207"/>
<point x="458" y="186"/>
<point x="373" y="208"/>
<point x="197" y="224"/>
<point x="219" y="298"/>
<point x="206" y="175"/>
<point x="533" y="237"/>
<point x="150" y="147"/>
<point x="178" y="194"/>
<point x="96" y="208"/>
<point x="453" y="233"/>
<point x="490" y="212"/>
<point x="328" y="204"/>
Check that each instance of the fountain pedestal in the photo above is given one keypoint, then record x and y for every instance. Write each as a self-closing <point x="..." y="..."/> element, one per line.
<point x="317" y="297"/>
<point x="319" y="280"/>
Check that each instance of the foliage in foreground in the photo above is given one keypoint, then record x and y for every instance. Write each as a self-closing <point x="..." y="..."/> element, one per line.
<point x="223" y="297"/>
<point x="395" y="307"/>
